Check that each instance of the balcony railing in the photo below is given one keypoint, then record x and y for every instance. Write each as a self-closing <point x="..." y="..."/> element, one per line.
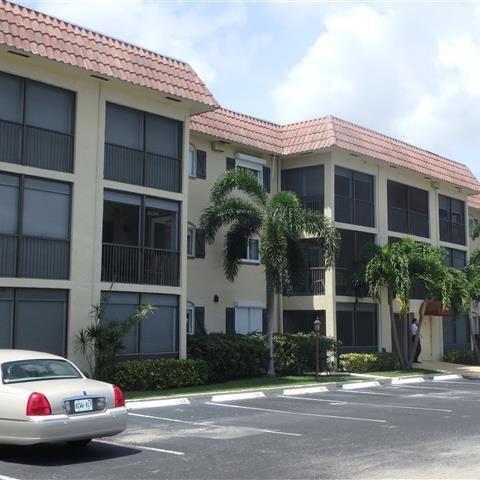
<point x="137" y="167"/>
<point x="141" y="265"/>
<point x="36" y="147"/>
<point x="312" y="202"/>
<point x="34" y="257"/>
<point x="312" y="283"/>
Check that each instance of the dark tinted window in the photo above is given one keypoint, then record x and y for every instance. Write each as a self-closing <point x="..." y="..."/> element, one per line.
<point x="456" y="258"/>
<point x="307" y="183"/>
<point x="301" y="321"/>
<point x="36" y="370"/>
<point x="452" y="220"/>
<point x="357" y="327"/>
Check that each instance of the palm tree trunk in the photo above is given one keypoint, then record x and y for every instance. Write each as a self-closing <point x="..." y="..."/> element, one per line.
<point x="270" y="322"/>
<point x="417" y="336"/>
<point x="395" y="333"/>
<point x="472" y="336"/>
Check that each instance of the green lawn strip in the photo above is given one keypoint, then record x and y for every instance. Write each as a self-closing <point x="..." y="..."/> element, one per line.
<point x="403" y="373"/>
<point x="243" y="384"/>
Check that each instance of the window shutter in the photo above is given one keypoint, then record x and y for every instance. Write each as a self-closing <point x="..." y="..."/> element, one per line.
<point x="199" y="243"/>
<point x="200" y="321"/>
<point x="265" y="321"/>
<point x="201" y="164"/>
<point x="231" y="163"/>
<point x="266" y="179"/>
<point x="230" y="320"/>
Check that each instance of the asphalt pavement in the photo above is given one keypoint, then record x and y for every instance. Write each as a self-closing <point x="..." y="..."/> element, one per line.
<point x="412" y="430"/>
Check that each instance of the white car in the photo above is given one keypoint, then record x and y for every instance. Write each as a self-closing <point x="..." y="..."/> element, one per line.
<point x="46" y="399"/>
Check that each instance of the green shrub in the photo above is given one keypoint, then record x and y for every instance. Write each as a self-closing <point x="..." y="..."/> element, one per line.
<point x="466" y="357"/>
<point x="367" y="362"/>
<point x="230" y="356"/>
<point x="156" y="374"/>
<point x="294" y="354"/>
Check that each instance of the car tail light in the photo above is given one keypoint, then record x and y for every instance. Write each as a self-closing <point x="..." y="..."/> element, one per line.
<point x="38" y="405"/>
<point x="119" y="398"/>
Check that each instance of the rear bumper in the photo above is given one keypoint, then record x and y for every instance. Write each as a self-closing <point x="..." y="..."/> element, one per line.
<point x="63" y="428"/>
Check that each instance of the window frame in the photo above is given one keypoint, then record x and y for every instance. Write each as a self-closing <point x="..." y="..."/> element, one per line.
<point x="254" y="261"/>
<point x="250" y="164"/>
<point x="190" y="311"/>
<point x="450" y="223"/>
<point x="192" y="162"/>
<point x="191" y="230"/>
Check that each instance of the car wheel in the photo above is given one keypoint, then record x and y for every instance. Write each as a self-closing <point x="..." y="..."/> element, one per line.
<point x="80" y="443"/>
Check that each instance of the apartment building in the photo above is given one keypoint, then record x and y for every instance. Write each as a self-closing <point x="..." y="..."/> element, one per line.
<point x="108" y="153"/>
<point x="93" y="186"/>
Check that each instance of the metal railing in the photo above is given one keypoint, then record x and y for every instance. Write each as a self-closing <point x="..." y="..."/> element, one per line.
<point x="36" y="147"/>
<point x="312" y="202"/>
<point x="34" y="257"/>
<point x="312" y="283"/>
<point x="128" y="165"/>
<point x="142" y="265"/>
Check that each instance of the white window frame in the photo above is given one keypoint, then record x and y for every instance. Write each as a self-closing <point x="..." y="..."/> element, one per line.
<point x="249" y="309"/>
<point x="248" y="259"/>
<point x="191" y="232"/>
<point x="192" y="157"/>
<point x="253" y="163"/>
<point x="191" y="312"/>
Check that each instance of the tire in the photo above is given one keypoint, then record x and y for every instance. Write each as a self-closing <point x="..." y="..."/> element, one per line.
<point x="80" y="443"/>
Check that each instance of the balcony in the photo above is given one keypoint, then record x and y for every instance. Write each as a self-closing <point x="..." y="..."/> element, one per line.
<point x="128" y="165"/>
<point x="141" y="265"/>
<point x="312" y="202"/>
<point x="36" y="147"/>
<point x="312" y="283"/>
<point x="34" y="257"/>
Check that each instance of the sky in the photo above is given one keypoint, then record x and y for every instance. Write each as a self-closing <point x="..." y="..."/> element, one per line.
<point x="410" y="70"/>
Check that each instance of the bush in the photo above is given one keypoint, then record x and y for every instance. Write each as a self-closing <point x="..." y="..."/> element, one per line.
<point x="230" y="356"/>
<point x="156" y="374"/>
<point x="367" y="362"/>
<point x="294" y="354"/>
<point x="466" y="357"/>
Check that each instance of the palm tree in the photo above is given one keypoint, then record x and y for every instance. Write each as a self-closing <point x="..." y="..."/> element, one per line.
<point x="239" y="202"/>
<point x="398" y="266"/>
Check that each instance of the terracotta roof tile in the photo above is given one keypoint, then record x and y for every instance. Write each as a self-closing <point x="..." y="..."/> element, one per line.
<point x="328" y="132"/>
<point x="474" y="201"/>
<point x="39" y="34"/>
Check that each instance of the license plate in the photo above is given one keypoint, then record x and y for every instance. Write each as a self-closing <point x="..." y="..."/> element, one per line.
<point x="85" y="405"/>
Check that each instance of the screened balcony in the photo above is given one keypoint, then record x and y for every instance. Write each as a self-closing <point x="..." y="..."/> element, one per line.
<point x="312" y="280"/>
<point x="308" y="184"/>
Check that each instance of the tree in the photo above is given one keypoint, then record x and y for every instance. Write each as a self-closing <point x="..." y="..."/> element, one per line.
<point x="472" y="273"/>
<point x="239" y="202"/>
<point x="398" y="266"/>
<point x="101" y="341"/>
<point x="475" y="233"/>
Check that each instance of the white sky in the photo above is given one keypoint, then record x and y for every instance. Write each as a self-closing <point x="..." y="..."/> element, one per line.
<point x="410" y="70"/>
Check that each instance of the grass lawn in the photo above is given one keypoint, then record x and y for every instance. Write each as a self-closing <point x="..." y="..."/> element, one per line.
<point x="403" y="373"/>
<point x="259" y="382"/>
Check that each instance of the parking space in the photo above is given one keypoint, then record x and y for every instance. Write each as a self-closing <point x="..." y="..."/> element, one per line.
<point x="419" y="430"/>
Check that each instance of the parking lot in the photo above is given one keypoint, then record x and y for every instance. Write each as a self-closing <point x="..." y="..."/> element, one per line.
<point x="415" y="430"/>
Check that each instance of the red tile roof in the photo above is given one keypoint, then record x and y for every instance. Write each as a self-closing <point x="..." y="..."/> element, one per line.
<point x="39" y="34"/>
<point x="328" y="132"/>
<point x="474" y="202"/>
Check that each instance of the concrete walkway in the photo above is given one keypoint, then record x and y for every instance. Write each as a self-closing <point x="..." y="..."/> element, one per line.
<point x="468" y="370"/>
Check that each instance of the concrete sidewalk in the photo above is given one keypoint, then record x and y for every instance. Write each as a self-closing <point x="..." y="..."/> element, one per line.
<point x="468" y="370"/>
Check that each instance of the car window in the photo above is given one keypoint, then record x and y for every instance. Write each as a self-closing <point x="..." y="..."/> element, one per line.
<point x="34" y="370"/>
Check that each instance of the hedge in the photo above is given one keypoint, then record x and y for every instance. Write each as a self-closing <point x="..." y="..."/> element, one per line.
<point x="156" y="374"/>
<point x="466" y="357"/>
<point x="242" y="356"/>
<point x="367" y="362"/>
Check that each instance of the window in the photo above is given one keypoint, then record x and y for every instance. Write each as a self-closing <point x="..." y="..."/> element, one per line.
<point x="354" y="197"/>
<point x="351" y="260"/>
<point x="312" y="281"/>
<point x="195" y="242"/>
<point x="36" y="124"/>
<point x="156" y="335"/>
<point x="456" y="333"/>
<point x="250" y="166"/>
<point x="35" y="227"/>
<point x="192" y="162"/>
<point x="308" y="184"/>
<point x="248" y="320"/>
<point x="140" y="240"/>
<point x="456" y="258"/>
<point x="301" y="321"/>
<point x="190" y="241"/>
<point x="190" y="320"/>
<point x="33" y="319"/>
<point x="357" y="327"/>
<point x="142" y="148"/>
<point x="408" y="209"/>
<point x="452" y="220"/>
<point x="251" y="252"/>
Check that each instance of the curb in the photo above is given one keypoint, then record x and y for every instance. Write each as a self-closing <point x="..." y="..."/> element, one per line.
<point x="275" y="391"/>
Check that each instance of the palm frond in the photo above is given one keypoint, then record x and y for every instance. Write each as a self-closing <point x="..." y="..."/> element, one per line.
<point x="285" y="209"/>
<point x="242" y="181"/>
<point x="475" y="233"/>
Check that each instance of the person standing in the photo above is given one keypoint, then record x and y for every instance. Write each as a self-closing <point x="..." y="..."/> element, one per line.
<point x="414" y="333"/>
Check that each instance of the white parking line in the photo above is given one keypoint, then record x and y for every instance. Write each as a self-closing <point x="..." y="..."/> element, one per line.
<point x="422" y="387"/>
<point x="423" y="395"/>
<point x="465" y="383"/>
<point x="297" y="413"/>
<point x="4" y="477"/>
<point x="210" y="424"/>
<point x="140" y="447"/>
<point x="375" y="405"/>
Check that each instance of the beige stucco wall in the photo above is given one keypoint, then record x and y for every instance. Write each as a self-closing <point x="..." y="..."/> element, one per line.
<point x="87" y="194"/>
